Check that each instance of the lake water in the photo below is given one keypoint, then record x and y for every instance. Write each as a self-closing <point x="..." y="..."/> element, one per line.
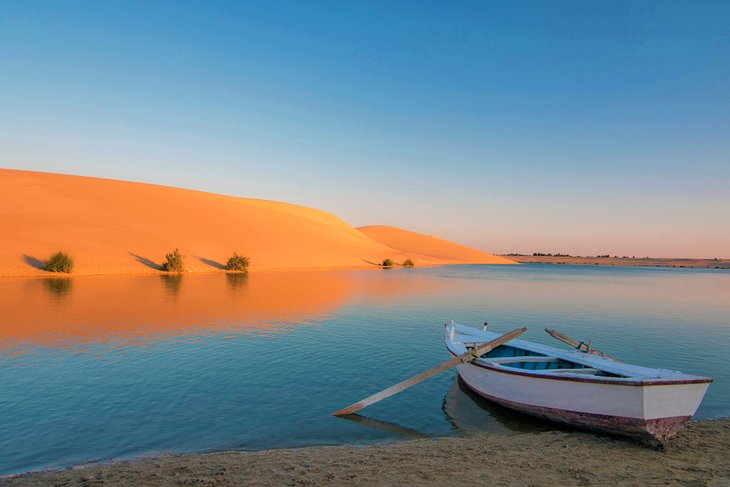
<point x="99" y="368"/>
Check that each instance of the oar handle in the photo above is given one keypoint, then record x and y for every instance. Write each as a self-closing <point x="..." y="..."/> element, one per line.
<point x="580" y="345"/>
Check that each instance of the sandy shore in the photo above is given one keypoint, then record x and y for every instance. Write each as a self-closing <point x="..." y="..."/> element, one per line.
<point x="698" y="456"/>
<point x="638" y="262"/>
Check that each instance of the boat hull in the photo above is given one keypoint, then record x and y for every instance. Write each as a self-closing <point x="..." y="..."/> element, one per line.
<point x="653" y="412"/>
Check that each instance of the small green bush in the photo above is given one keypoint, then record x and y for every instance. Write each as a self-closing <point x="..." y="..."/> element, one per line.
<point x="237" y="263"/>
<point x="173" y="262"/>
<point x="59" y="262"/>
<point x="408" y="263"/>
<point x="387" y="263"/>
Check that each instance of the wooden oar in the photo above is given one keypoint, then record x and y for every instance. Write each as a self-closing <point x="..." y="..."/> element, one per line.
<point x="583" y="347"/>
<point x="461" y="359"/>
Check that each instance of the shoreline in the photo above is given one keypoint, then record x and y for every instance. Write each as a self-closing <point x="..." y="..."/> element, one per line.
<point x="622" y="261"/>
<point x="556" y="457"/>
<point x="517" y="259"/>
<point x="369" y="267"/>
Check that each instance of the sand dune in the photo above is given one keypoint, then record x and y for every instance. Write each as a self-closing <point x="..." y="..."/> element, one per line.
<point x="116" y="227"/>
<point x="429" y="249"/>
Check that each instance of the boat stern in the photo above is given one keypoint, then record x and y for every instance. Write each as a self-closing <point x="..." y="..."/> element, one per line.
<point x="668" y="407"/>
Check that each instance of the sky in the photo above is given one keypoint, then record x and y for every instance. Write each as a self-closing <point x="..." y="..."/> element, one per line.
<point x="575" y="127"/>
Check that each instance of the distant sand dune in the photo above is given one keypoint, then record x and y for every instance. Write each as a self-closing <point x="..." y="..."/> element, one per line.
<point x="117" y="227"/>
<point x="428" y="249"/>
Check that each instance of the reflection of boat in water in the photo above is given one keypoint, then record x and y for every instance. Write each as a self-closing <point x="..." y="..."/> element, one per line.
<point x="576" y="388"/>
<point x="469" y="412"/>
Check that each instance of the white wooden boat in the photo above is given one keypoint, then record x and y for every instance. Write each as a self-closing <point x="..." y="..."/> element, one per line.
<point x="576" y="388"/>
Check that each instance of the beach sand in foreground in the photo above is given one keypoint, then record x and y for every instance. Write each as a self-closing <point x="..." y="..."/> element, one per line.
<point x="697" y="456"/>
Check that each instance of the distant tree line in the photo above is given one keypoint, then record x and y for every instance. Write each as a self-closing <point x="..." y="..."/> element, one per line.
<point x="541" y="254"/>
<point x="602" y="256"/>
<point x="558" y="254"/>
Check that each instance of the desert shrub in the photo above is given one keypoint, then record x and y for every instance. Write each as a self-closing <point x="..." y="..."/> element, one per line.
<point x="387" y="263"/>
<point x="408" y="263"/>
<point x="173" y="262"/>
<point x="59" y="262"/>
<point x="237" y="263"/>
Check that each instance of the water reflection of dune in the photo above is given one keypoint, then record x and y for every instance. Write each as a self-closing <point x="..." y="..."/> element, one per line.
<point x="137" y="309"/>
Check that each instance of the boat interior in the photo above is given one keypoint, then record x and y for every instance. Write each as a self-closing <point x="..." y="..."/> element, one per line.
<point x="518" y="358"/>
<point x="539" y="359"/>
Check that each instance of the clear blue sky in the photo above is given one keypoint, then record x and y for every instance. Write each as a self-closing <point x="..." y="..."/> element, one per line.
<point x="582" y="127"/>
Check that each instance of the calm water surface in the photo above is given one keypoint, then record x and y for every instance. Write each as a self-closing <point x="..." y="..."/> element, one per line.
<point x="98" y="368"/>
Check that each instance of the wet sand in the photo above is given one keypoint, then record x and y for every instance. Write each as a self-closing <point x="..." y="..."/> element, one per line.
<point x="618" y="261"/>
<point x="697" y="456"/>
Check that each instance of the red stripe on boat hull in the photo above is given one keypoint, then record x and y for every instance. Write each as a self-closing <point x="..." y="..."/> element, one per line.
<point x="659" y="429"/>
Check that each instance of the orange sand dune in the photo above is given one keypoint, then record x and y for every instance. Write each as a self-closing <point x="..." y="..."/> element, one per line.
<point x="429" y="249"/>
<point x="114" y="227"/>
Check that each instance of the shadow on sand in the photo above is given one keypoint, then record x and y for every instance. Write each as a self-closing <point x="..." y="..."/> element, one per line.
<point x="145" y="261"/>
<point x="33" y="262"/>
<point x="209" y="262"/>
